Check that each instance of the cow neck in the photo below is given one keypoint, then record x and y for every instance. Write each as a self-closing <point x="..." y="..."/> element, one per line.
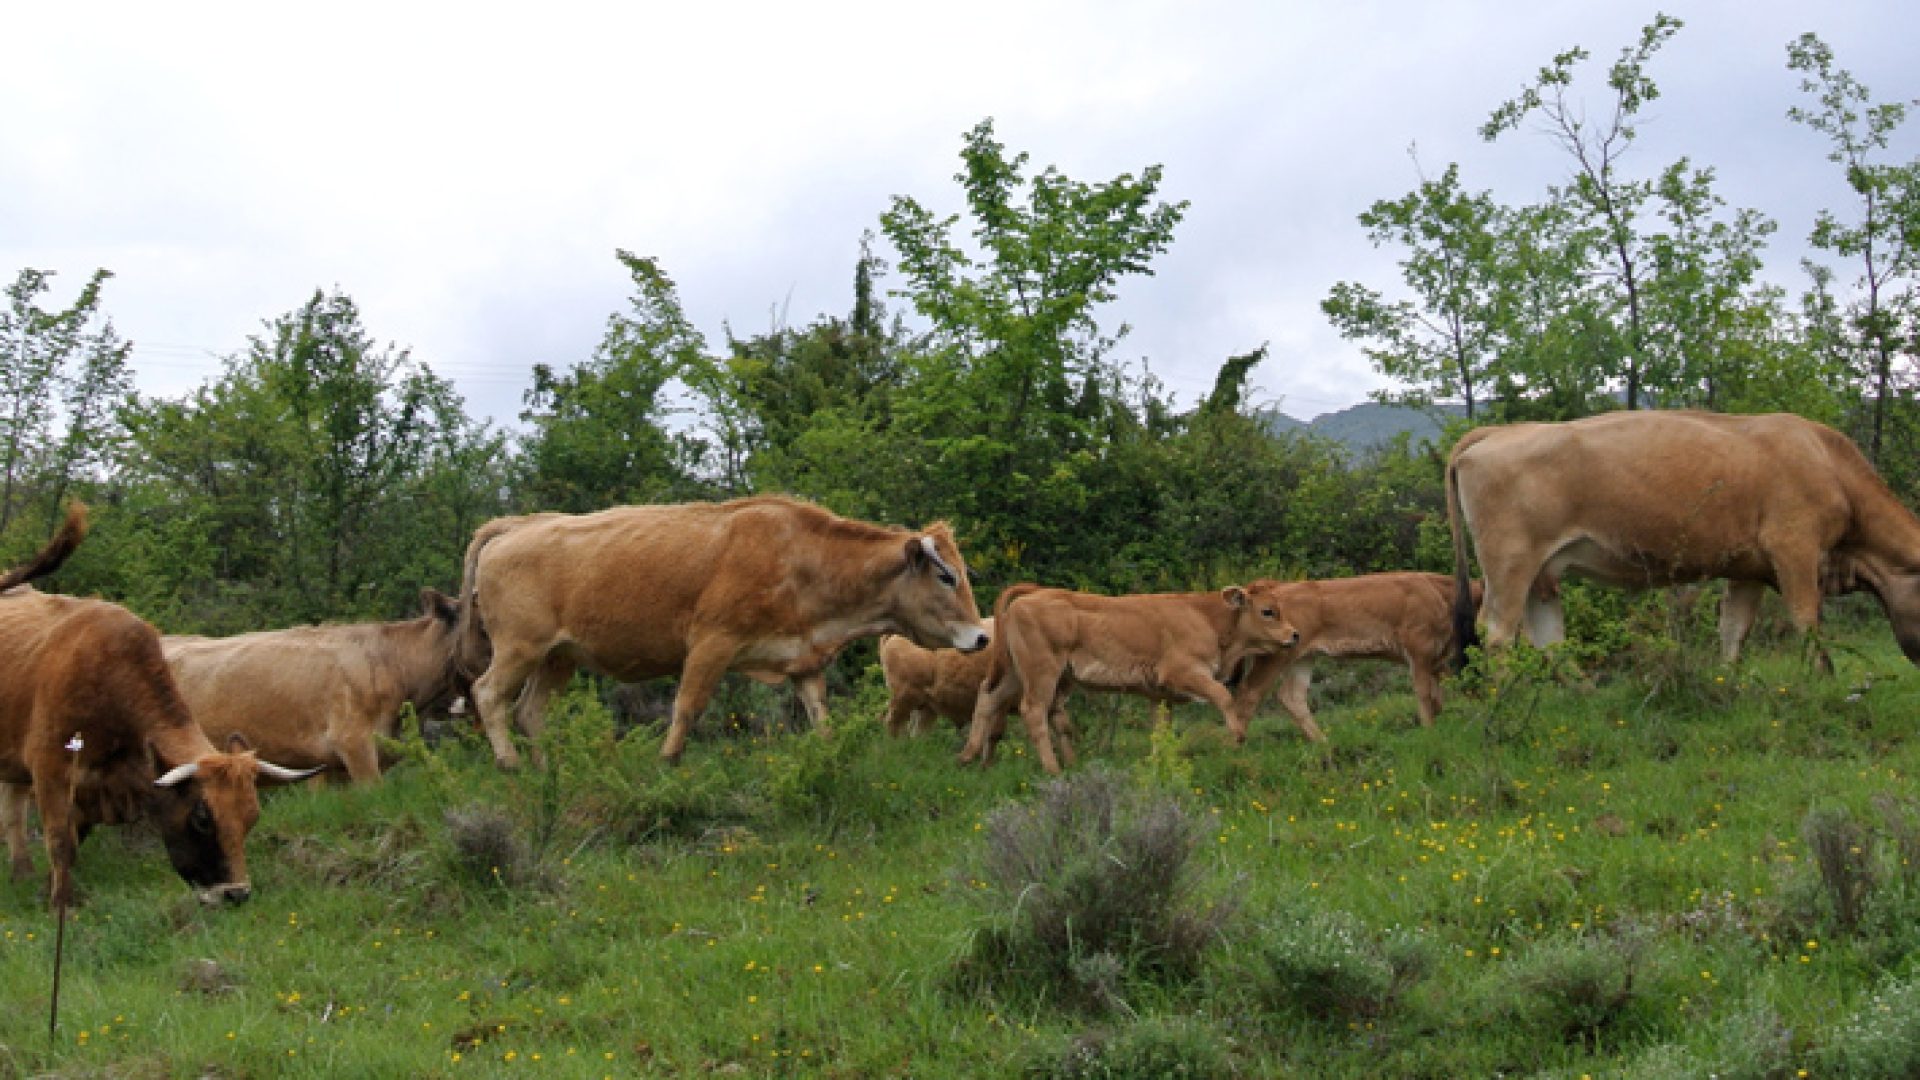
<point x="419" y="667"/>
<point x="856" y="608"/>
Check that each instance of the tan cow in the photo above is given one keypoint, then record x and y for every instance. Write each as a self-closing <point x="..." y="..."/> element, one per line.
<point x="1644" y="499"/>
<point x="1161" y="646"/>
<point x="766" y="584"/>
<point x="930" y="682"/>
<point x="93" y="730"/>
<point x="1401" y="616"/>
<point x="319" y="696"/>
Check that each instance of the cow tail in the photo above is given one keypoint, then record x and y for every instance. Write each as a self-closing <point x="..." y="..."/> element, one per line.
<point x="1465" y="607"/>
<point x="999" y="659"/>
<point x="64" y="542"/>
<point x="475" y="650"/>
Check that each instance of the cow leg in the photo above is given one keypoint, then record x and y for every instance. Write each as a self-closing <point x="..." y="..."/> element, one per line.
<point x="990" y="710"/>
<point x="1738" y="610"/>
<point x="1062" y="726"/>
<point x="1546" y="621"/>
<point x="362" y="758"/>
<point x="1259" y="677"/>
<point x="530" y="713"/>
<point x="1509" y="587"/>
<point x="813" y="697"/>
<point x="13" y="820"/>
<point x="706" y="663"/>
<point x="1426" y="688"/>
<point x="1293" y="697"/>
<point x="901" y="716"/>
<point x="494" y="697"/>
<point x="1036" y="707"/>
<point x="56" y="828"/>
<point x="1802" y="594"/>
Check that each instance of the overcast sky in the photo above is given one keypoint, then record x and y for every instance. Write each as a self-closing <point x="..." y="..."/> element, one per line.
<point x="466" y="171"/>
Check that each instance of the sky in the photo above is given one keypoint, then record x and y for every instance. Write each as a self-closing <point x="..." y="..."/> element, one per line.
<point x="466" y="172"/>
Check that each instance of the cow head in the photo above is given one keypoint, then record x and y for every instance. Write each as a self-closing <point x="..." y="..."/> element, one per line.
<point x="205" y="809"/>
<point x="440" y="644"/>
<point x="1900" y="596"/>
<point x="933" y="603"/>
<point x="1260" y="626"/>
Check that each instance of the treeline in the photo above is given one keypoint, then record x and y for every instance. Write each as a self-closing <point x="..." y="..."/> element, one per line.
<point x="324" y="475"/>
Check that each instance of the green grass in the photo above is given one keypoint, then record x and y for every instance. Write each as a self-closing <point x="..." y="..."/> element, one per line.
<point x="1605" y="876"/>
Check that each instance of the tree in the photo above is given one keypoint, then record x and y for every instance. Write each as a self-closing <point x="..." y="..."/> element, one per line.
<point x="63" y="371"/>
<point x="600" y="432"/>
<point x="1017" y="398"/>
<point x="1877" y="328"/>
<point x="1445" y="340"/>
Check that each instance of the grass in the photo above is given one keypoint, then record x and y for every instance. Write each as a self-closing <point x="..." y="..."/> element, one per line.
<point x="1605" y="874"/>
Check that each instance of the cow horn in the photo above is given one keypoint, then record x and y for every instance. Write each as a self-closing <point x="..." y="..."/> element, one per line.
<point x="285" y="775"/>
<point x="178" y="774"/>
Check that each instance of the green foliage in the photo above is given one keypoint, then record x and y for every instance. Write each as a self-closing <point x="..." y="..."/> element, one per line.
<point x="1882" y="1037"/>
<point x="1578" y="987"/>
<point x="1326" y="965"/>
<point x="1088" y="887"/>
<point x="1166" y="766"/>
<point x="1149" y="1049"/>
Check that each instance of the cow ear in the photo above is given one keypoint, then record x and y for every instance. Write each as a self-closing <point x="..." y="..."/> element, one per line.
<point x="916" y="554"/>
<point x="1235" y="596"/>
<point x="237" y="743"/>
<point x="439" y="605"/>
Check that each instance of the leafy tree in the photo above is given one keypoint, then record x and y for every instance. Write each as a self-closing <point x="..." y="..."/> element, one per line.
<point x="600" y="433"/>
<point x="63" y="378"/>
<point x="1017" y="398"/>
<point x="1877" y="331"/>
<point x="1445" y="340"/>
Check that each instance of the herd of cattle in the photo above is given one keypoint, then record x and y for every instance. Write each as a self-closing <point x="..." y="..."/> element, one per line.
<point x="103" y="721"/>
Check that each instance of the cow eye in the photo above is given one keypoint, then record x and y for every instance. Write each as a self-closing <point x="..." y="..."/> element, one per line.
<point x="946" y="578"/>
<point x="200" y="819"/>
<point x="1266" y="613"/>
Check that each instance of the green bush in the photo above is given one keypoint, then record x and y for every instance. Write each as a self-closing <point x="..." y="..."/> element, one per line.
<point x="1881" y="1038"/>
<point x="1152" y="1049"/>
<point x="1325" y="964"/>
<point x="1087" y="887"/>
<point x="1579" y="987"/>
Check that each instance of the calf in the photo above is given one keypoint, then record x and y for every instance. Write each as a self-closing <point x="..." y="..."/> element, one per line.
<point x="1162" y="646"/>
<point x="936" y="682"/>
<point x="1397" y="616"/>
<point x="93" y="730"/>
<point x="317" y="696"/>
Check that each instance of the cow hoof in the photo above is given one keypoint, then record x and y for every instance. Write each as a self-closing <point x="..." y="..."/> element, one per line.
<point x="507" y="764"/>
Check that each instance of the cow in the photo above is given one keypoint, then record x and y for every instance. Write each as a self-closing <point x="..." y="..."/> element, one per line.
<point x="94" y="731"/>
<point x="930" y="682"/>
<point x="1648" y="499"/>
<point x="1162" y="646"/>
<point x="766" y="584"/>
<point x="321" y="696"/>
<point x="1403" y="616"/>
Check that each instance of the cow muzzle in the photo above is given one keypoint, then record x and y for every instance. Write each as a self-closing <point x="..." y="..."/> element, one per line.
<point x="971" y="640"/>
<point x="235" y="892"/>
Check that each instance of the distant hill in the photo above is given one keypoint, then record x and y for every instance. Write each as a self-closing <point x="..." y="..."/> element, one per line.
<point x="1368" y="424"/>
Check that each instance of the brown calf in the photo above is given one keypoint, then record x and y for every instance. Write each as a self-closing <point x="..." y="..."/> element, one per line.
<point x="936" y="682"/>
<point x="1163" y="646"/>
<point x="93" y="730"/>
<point x="318" y="696"/>
<point x="1396" y="616"/>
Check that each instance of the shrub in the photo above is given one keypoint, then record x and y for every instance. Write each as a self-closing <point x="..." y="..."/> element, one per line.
<point x="1880" y="1039"/>
<point x="1843" y="851"/>
<point x="1324" y="964"/>
<point x="1578" y="987"/>
<point x="1152" y="1049"/>
<point x="488" y="848"/>
<point x="1755" y="1044"/>
<point x="1092" y="868"/>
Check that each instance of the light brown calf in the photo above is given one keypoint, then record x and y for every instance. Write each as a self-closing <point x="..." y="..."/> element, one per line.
<point x="320" y="696"/>
<point x="930" y="682"/>
<point x="1396" y="616"/>
<point x="94" y="732"/>
<point x="1175" y="646"/>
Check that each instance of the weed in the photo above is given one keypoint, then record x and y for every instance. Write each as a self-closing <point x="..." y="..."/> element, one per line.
<point x="1578" y="987"/>
<point x="488" y="848"/>
<point x="1843" y="852"/>
<point x="1325" y="965"/>
<point x="1151" y="1049"/>
<point x="1881" y="1038"/>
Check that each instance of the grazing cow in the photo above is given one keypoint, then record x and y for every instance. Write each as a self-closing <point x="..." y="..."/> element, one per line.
<point x="766" y="584"/>
<point x="1165" y="646"/>
<point x="1398" y="616"/>
<point x="1644" y="499"/>
<point x="937" y="682"/>
<point x="93" y="730"/>
<point x="317" y="696"/>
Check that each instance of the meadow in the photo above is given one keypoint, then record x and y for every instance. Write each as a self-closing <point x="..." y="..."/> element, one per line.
<point x="1631" y="862"/>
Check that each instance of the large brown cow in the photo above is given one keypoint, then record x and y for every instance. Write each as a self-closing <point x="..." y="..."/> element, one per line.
<point x="320" y="695"/>
<point x="1401" y="616"/>
<point x="765" y="584"/>
<point x="930" y="682"/>
<point x="1164" y="646"/>
<point x="93" y="730"/>
<point x="1644" y="499"/>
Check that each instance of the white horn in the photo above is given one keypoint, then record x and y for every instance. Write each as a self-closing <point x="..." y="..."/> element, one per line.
<point x="285" y="775"/>
<point x="933" y="553"/>
<point x="178" y="774"/>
